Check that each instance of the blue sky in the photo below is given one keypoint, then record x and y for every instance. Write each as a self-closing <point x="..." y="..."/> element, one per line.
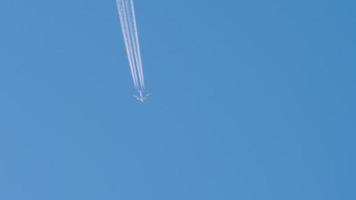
<point x="250" y="100"/>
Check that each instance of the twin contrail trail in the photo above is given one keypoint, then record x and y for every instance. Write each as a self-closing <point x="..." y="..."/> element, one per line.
<point x="127" y="16"/>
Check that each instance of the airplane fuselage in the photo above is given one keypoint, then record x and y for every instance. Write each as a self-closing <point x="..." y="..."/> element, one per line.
<point x="141" y="97"/>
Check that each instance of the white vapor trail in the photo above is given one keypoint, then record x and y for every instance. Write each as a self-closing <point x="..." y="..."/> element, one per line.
<point x="129" y="29"/>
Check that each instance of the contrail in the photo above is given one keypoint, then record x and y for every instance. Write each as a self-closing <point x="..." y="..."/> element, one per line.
<point x="137" y="46"/>
<point x="128" y="22"/>
<point x="128" y="45"/>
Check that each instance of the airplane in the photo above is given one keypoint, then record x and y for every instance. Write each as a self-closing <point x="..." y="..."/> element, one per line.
<point x="141" y="97"/>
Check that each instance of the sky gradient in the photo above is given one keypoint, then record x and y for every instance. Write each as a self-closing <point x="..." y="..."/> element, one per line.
<point x="251" y="100"/>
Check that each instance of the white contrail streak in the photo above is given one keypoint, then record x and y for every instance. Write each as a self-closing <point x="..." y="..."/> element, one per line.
<point x="128" y="45"/>
<point x="129" y="30"/>
<point x="127" y="40"/>
<point x="137" y="46"/>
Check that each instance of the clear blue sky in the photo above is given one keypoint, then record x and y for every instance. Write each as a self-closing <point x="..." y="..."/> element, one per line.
<point x="251" y="100"/>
